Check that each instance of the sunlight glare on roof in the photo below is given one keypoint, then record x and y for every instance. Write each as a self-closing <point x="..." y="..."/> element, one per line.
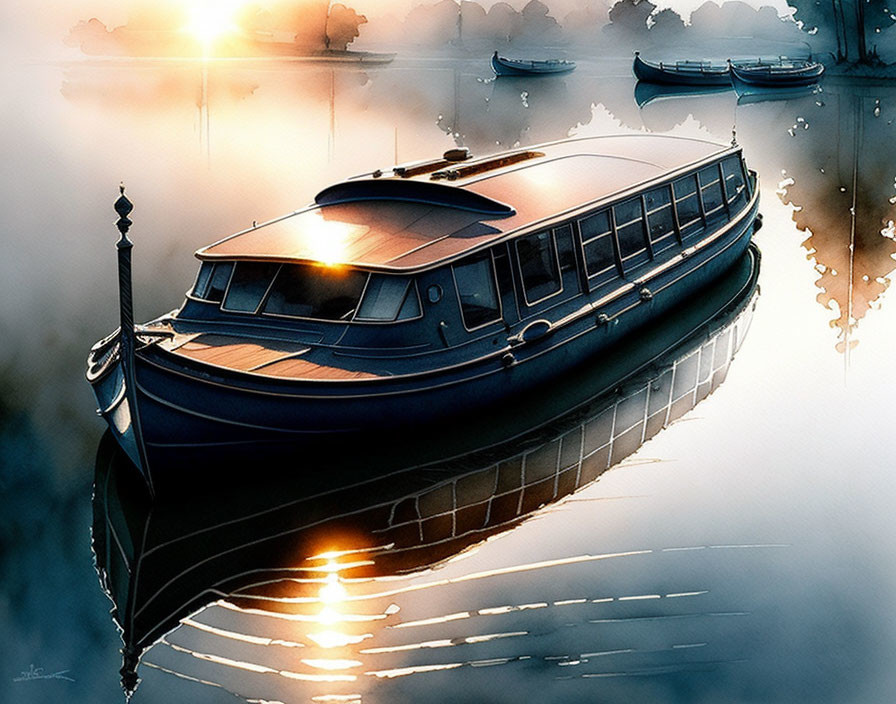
<point x="326" y="241"/>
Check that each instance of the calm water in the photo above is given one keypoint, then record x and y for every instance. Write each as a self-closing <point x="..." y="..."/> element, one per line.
<point x="745" y="553"/>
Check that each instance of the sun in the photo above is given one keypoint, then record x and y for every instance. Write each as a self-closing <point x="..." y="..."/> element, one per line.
<point x="209" y="20"/>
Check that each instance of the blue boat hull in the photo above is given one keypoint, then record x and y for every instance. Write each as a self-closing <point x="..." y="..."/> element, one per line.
<point x="762" y="79"/>
<point x="183" y="408"/>
<point x="538" y="68"/>
<point x="680" y="76"/>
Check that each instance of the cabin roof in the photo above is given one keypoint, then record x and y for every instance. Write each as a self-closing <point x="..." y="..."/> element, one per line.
<point x="395" y="222"/>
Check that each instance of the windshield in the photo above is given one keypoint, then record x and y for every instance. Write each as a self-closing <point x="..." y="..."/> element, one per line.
<point x="312" y="291"/>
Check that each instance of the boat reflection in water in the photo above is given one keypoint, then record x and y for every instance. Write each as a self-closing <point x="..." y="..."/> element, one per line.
<point x="646" y="92"/>
<point x="288" y="586"/>
<point x="761" y="94"/>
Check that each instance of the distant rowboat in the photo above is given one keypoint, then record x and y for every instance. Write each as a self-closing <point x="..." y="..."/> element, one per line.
<point x="688" y="73"/>
<point x="524" y="67"/>
<point x="785" y="74"/>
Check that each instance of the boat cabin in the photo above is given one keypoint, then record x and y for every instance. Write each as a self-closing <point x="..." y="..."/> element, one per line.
<point x="436" y="255"/>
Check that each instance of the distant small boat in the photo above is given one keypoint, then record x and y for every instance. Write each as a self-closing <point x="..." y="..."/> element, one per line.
<point x="784" y="73"/>
<point x="524" y="67"/>
<point x="688" y="73"/>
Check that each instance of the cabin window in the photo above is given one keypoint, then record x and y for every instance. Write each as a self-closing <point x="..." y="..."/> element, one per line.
<point x="388" y="298"/>
<point x="687" y="205"/>
<point x="735" y="185"/>
<point x="504" y="277"/>
<point x="202" y="279"/>
<point x="212" y="281"/>
<point x="565" y="252"/>
<point x="660" y="219"/>
<point x="249" y="283"/>
<point x="597" y="241"/>
<point x="537" y="256"/>
<point x="711" y="192"/>
<point x="630" y="228"/>
<point x="411" y="307"/>
<point x="476" y="291"/>
<point x="314" y="291"/>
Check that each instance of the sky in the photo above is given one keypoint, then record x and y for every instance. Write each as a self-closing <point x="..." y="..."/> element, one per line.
<point x="53" y="11"/>
<point x="29" y="31"/>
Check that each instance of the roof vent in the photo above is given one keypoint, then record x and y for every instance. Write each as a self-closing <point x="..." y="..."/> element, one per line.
<point x="453" y="173"/>
<point x="360" y="190"/>
<point x="461" y="154"/>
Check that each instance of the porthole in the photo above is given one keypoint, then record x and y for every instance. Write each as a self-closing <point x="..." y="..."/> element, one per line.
<point x="434" y="293"/>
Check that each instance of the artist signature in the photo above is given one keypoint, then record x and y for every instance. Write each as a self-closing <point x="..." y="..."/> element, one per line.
<point x="37" y="673"/>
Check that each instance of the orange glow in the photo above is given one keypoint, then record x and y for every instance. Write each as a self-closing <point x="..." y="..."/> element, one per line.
<point x="327" y="240"/>
<point x="332" y="566"/>
<point x="212" y="19"/>
<point x="332" y="592"/>
<point x="334" y="664"/>
<point x="329" y="617"/>
<point x="334" y="639"/>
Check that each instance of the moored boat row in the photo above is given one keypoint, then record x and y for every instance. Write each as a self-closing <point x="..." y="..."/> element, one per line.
<point x="779" y="72"/>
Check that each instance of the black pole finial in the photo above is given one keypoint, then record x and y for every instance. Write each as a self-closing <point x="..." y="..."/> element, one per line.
<point x="123" y="207"/>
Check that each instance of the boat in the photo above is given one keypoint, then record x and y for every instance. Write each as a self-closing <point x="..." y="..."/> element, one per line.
<point x="687" y="73"/>
<point x="428" y="291"/>
<point x="163" y="560"/>
<point x="503" y="66"/>
<point x="785" y="73"/>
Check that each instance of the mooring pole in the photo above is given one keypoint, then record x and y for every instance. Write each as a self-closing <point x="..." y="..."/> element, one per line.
<point x="127" y="339"/>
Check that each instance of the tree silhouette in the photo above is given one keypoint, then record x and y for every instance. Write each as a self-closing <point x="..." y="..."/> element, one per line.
<point x="842" y="185"/>
<point x="847" y="24"/>
<point x="343" y="25"/>
<point x="666" y="25"/>
<point x="537" y="24"/>
<point x="585" y="23"/>
<point x="432" y="25"/>
<point x="628" y="19"/>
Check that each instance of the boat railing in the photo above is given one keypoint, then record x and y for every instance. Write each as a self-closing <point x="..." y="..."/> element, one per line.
<point x="687" y="65"/>
<point x="780" y="61"/>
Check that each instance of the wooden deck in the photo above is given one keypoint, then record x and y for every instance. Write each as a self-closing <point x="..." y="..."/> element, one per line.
<point x="272" y="358"/>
